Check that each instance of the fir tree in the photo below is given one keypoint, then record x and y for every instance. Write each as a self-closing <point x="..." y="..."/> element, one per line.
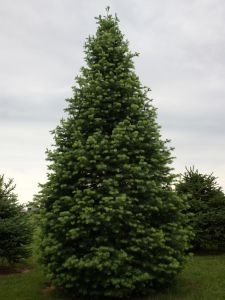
<point x="15" y="232"/>
<point x="207" y="207"/>
<point x="111" y="223"/>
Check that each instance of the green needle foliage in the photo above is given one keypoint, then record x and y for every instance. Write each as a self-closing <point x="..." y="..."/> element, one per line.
<point x="111" y="223"/>
<point x="15" y="232"/>
<point x="207" y="205"/>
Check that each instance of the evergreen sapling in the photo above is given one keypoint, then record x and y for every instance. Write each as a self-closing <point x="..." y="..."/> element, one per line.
<point x="206" y="201"/>
<point x="15" y="232"/>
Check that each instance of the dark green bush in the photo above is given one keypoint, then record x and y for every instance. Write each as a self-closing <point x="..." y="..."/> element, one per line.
<point x="15" y="232"/>
<point x="111" y="223"/>
<point x="207" y="206"/>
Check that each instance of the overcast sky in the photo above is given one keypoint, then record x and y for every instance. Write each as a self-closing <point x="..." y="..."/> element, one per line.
<point x="181" y="45"/>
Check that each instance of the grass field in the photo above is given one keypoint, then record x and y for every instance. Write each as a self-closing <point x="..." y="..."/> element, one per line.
<point x="202" y="279"/>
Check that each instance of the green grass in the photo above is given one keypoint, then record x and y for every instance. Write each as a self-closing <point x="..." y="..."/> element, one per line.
<point x="28" y="285"/>
<point x="202" y="279"/>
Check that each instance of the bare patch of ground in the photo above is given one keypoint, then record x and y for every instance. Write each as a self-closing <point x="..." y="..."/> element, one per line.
<point x="48" y="289"/>
<point x="8" y="270"/>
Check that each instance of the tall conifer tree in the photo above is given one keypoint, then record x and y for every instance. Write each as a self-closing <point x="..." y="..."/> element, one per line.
<point x="111" y="223"/>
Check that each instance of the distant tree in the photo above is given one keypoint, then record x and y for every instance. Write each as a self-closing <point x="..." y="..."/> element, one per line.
<point x="207" y="206"/>
<point x="33" y="211"/>
<point x="15" y="232"/>
<point x="111" y="223"/>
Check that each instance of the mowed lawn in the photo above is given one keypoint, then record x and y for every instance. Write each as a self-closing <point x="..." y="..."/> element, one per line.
<point x="202" y="279"/>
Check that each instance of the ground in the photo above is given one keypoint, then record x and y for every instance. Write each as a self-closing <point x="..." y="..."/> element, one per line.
<point x="202" y="279"/>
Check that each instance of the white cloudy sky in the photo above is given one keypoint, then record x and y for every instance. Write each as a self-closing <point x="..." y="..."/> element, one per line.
<point x="181" y="45"/>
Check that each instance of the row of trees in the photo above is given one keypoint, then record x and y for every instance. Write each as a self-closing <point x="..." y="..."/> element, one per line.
<point x="205" y="210"/>
<point x="111" y="223"/>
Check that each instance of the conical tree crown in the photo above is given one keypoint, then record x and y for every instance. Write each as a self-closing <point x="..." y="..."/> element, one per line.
<point x="112" y="224"/>
<point x="108" y="90"/>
